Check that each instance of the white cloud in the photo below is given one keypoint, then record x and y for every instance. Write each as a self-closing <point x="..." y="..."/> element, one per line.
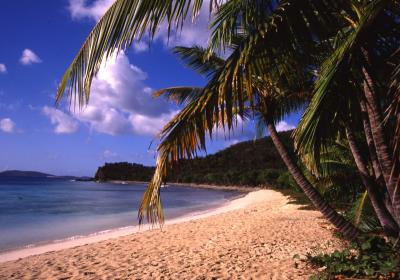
<point x="193" y="33"/>
<point x="7" y="125"/>
<point x="121" y="102"/>
<point x="284" y="126"/>
<point x="80" y="9"/>
<point x="108" y="154"/>
<point x="63" y="123"/>
<point x="3" y="68"/>
<point x="29" y="57"/>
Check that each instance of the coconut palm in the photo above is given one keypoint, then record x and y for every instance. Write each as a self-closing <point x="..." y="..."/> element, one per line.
<point x="185" y="130"/>
<point x="129" y="20"/>
<point x="283" y="37"/>
<point x="347" y="88"/>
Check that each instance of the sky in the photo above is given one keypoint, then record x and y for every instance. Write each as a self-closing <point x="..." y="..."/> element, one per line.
<point x="121" y="121"/>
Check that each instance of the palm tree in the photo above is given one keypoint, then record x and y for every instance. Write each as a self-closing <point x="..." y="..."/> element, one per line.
<point x="347" y="88"/>
<point x="129" y="20"/>
<point x="183" y="133"/>
<point x="285" y="35"/>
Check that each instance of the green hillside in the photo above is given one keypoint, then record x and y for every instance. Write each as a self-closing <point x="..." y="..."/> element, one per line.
<point x="247" y="163"/>
<point x="124" y="171"/>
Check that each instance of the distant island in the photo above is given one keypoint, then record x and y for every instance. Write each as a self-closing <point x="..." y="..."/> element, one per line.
<point x="249" y="163"/>
<point x="20" y="173"/>
<point x="37" y="174"/>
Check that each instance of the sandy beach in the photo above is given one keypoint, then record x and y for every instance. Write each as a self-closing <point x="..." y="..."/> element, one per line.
<point x="252" y="237"/>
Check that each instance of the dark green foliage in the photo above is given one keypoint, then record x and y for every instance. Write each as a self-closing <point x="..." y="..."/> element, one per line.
<point x="373" y="259"/>
<point x="124" y="171"/>
<point x="249" y="163"/>
<point x="362" y="214"/>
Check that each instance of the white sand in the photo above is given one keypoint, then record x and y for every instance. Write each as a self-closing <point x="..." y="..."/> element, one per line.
<point x="255" y="236"/>
<point x="84" y="240"/>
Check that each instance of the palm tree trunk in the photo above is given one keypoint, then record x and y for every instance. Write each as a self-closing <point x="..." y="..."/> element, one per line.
<point x="382" y="149"/>
<point x="370" y="143"/>
<point x="344" y="226"/>
<point x="374" y="159"/>
<point x="376" y="121"/>
<point x="386" y="220"/>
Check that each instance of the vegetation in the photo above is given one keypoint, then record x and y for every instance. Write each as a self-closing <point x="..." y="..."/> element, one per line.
<point x="249" y="163"/>
<point x="231" y="166"/>
<point x="124" y="171"/>
<point x="337" y="59"/>
<point x="372" y="259"/>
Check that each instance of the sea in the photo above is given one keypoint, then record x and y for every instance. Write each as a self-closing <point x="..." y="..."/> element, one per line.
<point x="37" y="211"/>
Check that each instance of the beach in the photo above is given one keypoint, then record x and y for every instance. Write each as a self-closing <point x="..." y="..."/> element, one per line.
<point x="252" y="237"/>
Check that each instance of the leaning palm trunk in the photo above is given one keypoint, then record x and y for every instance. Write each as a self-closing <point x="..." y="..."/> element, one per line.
<point x="344" y="226"/>
<point x="370" y="143"/>
<point x="382" y="149"/>
<point x="376" y="121"/>
<point x="387" y="222"/>
<point x="374" y="158"/>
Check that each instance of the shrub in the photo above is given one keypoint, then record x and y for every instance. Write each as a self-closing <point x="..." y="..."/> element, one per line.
<point x="373" y="259"/>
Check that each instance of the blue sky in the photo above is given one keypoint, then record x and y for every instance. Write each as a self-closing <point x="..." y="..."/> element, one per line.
<point x="39" y="40"/>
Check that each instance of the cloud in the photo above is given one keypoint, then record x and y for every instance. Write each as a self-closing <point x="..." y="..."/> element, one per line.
<point x="193" y="33"/>
<point x="29" y="57"/>
<point x="109" y="154"/>
<point x="7" y="125"/>
<point x="3" y="68"/>
<point x="64" y="123"/>
<point x="79" y="9"/>
<point x="121" y="102"/>
<point x="284" y="126"/>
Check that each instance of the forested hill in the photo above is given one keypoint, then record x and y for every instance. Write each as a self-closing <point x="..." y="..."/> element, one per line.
<point x="124" y="171"/>
<point x="20" y="173"/>
<point x="246" y="163"/>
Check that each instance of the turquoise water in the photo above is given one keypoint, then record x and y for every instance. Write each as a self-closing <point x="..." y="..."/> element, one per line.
<point x="41" y="210"/>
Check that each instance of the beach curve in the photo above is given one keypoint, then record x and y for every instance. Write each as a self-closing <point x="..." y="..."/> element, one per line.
<point x="255" y="236"/>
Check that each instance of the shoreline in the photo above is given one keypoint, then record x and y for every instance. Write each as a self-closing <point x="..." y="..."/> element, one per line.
<point x="252" y="237"/>
<point x="81" y="240"/>
<point x="244" y="189"/>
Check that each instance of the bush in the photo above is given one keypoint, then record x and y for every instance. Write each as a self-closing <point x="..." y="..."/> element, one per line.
<point x="373" y="259"/>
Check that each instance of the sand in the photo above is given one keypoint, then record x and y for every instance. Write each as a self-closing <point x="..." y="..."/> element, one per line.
<point x="253" y="237"/>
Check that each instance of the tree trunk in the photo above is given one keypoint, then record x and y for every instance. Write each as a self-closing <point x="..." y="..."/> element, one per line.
<point x="386" y="220"/>
<point x="344" y="226"/>
<point x="376" y="122"/>
<point x="370" y="143"/>
<point x="382" y="149"/>
<point x="374" y="159"/>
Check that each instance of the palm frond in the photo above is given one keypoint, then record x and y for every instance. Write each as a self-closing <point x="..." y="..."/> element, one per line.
<point x="179" y="95"/>
<point x="198" y="59"/>
<point x="123" y="22"/>
<point x="181" y="138"/>
<point x="363" y="215"/>
<point x="326" y="105"/>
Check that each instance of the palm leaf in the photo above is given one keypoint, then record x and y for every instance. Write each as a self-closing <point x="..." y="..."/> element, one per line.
<point x="198" y="59"/>
<point x="181" y="138"/>
<point x="123" y="22"/>
<point x="363" y="215"/>
<point x="335" y="77"/>
<point x="179" y="95"/>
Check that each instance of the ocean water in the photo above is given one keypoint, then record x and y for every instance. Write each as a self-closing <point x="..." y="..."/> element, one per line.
<point x="34" y="211"/>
